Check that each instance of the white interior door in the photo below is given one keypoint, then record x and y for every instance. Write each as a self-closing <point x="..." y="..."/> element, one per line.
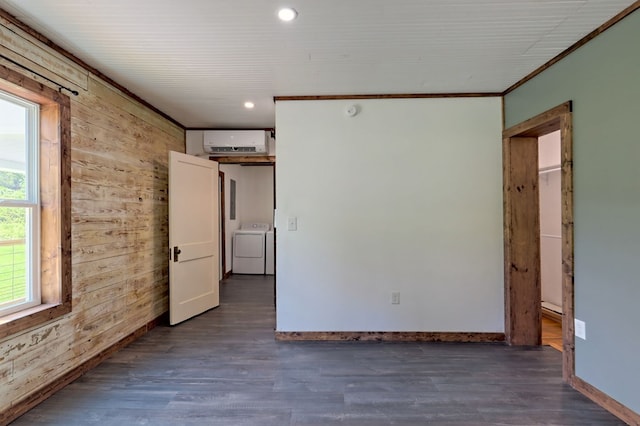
<point x="193" y="236"/>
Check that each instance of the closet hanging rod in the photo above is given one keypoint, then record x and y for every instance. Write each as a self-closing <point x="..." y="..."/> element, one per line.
<point x="549" y="169"/>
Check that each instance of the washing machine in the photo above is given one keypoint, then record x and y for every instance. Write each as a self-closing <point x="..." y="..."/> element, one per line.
<point x="249" y="248"/>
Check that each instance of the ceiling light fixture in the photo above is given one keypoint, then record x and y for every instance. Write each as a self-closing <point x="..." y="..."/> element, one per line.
<point x="249" y="105"/>
<point x="287" y="14"/>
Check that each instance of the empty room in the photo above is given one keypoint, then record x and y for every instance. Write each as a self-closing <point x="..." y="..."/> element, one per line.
<point x="268" y="213"/>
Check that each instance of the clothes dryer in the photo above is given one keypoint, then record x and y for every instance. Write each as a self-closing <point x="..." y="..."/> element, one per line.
<point x="249" y="248"/>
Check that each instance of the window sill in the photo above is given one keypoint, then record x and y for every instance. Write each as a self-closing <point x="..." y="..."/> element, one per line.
<point x="32" y="317"/>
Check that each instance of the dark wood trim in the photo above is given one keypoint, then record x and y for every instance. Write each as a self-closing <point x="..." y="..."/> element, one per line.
<point x="50" y="44"/>
<point x="203" y="129"/>
<point x="223" y="235"/>
<point x="389" y="336"/>
<point x="522" y="295"/>
<point x="605" y="401"/>
<point x="541" y="124"/>
<point x="227" y="275"/>
<point x="584" y="40"/>
<point x="387" y="96"/>
<point x="48" y="389"/>
<point x="516" y="318"/>
<point x="55" y="202"/>
<point x="245" y="159"/>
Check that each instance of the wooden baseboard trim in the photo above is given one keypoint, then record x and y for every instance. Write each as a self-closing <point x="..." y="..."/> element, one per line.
<point x="388" y="336"/>
<point x="605" y="401"/>
<point x="21" y="407"/>
<point x="227" y="275"/>
<point x="553" y="316"/>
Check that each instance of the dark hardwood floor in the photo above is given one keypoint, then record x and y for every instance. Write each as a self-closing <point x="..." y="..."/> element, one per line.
<point x="224" y="368"/>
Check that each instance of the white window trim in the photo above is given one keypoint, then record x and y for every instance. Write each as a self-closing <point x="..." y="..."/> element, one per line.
<point x="32" y="206"/>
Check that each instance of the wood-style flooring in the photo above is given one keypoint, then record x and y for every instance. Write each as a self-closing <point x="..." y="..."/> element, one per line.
<point x="225" y="368"/>
<point x="552" y="333"/>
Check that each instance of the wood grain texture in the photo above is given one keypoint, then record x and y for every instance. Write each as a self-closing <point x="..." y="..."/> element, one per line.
<point x="245" y="159"/>
<point x="24" y="405"/>
<point x="116" y="254"/>
<point x="522" y="242"/>
<point x="551" y="332"/>
<point x="386" y="96"/>
<point x="389" y="336"/>
<point x="566" y="188"/>
<point x="55" y="202"/>
<point x="558" y="118"/>
<point x="584" y="40"/>
<point x="50" y="64"/>
<point x="605" y="401"/>
<point x="542" y="124"/>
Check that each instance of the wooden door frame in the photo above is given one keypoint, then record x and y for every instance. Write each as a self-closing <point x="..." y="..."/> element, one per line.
<point x="223" y="242"/>
<point x="522" y="232"/>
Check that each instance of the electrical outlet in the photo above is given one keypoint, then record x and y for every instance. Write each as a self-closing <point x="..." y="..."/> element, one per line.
<point x="395" y="298"/>
<point x="580" y="329"/>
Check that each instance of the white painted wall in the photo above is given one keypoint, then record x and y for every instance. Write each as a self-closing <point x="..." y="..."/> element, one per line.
<point x="193" y="142"/>
<point x="405" y="196"/>
<point x="549" y="150"/>
<point x="256" y="193"/>
<point x="550" y="218"/>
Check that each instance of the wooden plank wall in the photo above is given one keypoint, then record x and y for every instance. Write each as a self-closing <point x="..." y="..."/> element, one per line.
<point x="119" y="223"/>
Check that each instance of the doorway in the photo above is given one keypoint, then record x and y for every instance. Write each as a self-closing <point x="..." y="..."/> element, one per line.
<point x="522" y="231"/>
<point x="222" y="248"/>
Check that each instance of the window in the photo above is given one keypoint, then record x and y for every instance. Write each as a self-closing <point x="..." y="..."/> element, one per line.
<point x="19" y="204"/>
<point x="35" y="188"/>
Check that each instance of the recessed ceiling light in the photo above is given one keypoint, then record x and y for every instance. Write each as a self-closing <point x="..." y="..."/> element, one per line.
<point x="249" y="105"/>
<point x="287" y="14"/>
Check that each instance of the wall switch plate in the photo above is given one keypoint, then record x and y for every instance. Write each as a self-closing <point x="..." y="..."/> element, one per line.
<point x="580" y="329"/>
<point x="292" y="223"/>
<point x="395" y="298"/>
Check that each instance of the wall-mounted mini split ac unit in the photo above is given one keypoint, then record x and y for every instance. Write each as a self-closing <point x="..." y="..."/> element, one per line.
<point x="235" y="142"/>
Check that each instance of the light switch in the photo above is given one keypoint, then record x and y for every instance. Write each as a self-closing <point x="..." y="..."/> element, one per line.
<point x="292" y="223"/>
<point x="580" y="329"/>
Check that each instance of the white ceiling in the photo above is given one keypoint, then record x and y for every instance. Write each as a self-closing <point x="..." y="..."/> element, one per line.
<point x="200" y="60"/>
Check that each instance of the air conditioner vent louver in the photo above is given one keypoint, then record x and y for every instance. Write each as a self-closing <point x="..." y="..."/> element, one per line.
<point x="227" y="149"/>
<point x="235" y="142"/>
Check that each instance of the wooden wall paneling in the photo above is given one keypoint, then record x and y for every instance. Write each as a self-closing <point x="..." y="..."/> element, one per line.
<point x="109" y="94"/>
<point x="103" y="237"/>
<point x="86" y="191"/>
<point x="104" y="142"/>
<point x="43" y="393"/>
<point x="19" y="46"/>
<point x="118" y="219"/>
<point x="54" y="199"/>
<point x="121" y="125"/>
<point x="522" y="230"/>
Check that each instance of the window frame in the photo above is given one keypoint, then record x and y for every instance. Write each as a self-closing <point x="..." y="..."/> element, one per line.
<point x="31" y="203"/>
<point x="55" y="202"/>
